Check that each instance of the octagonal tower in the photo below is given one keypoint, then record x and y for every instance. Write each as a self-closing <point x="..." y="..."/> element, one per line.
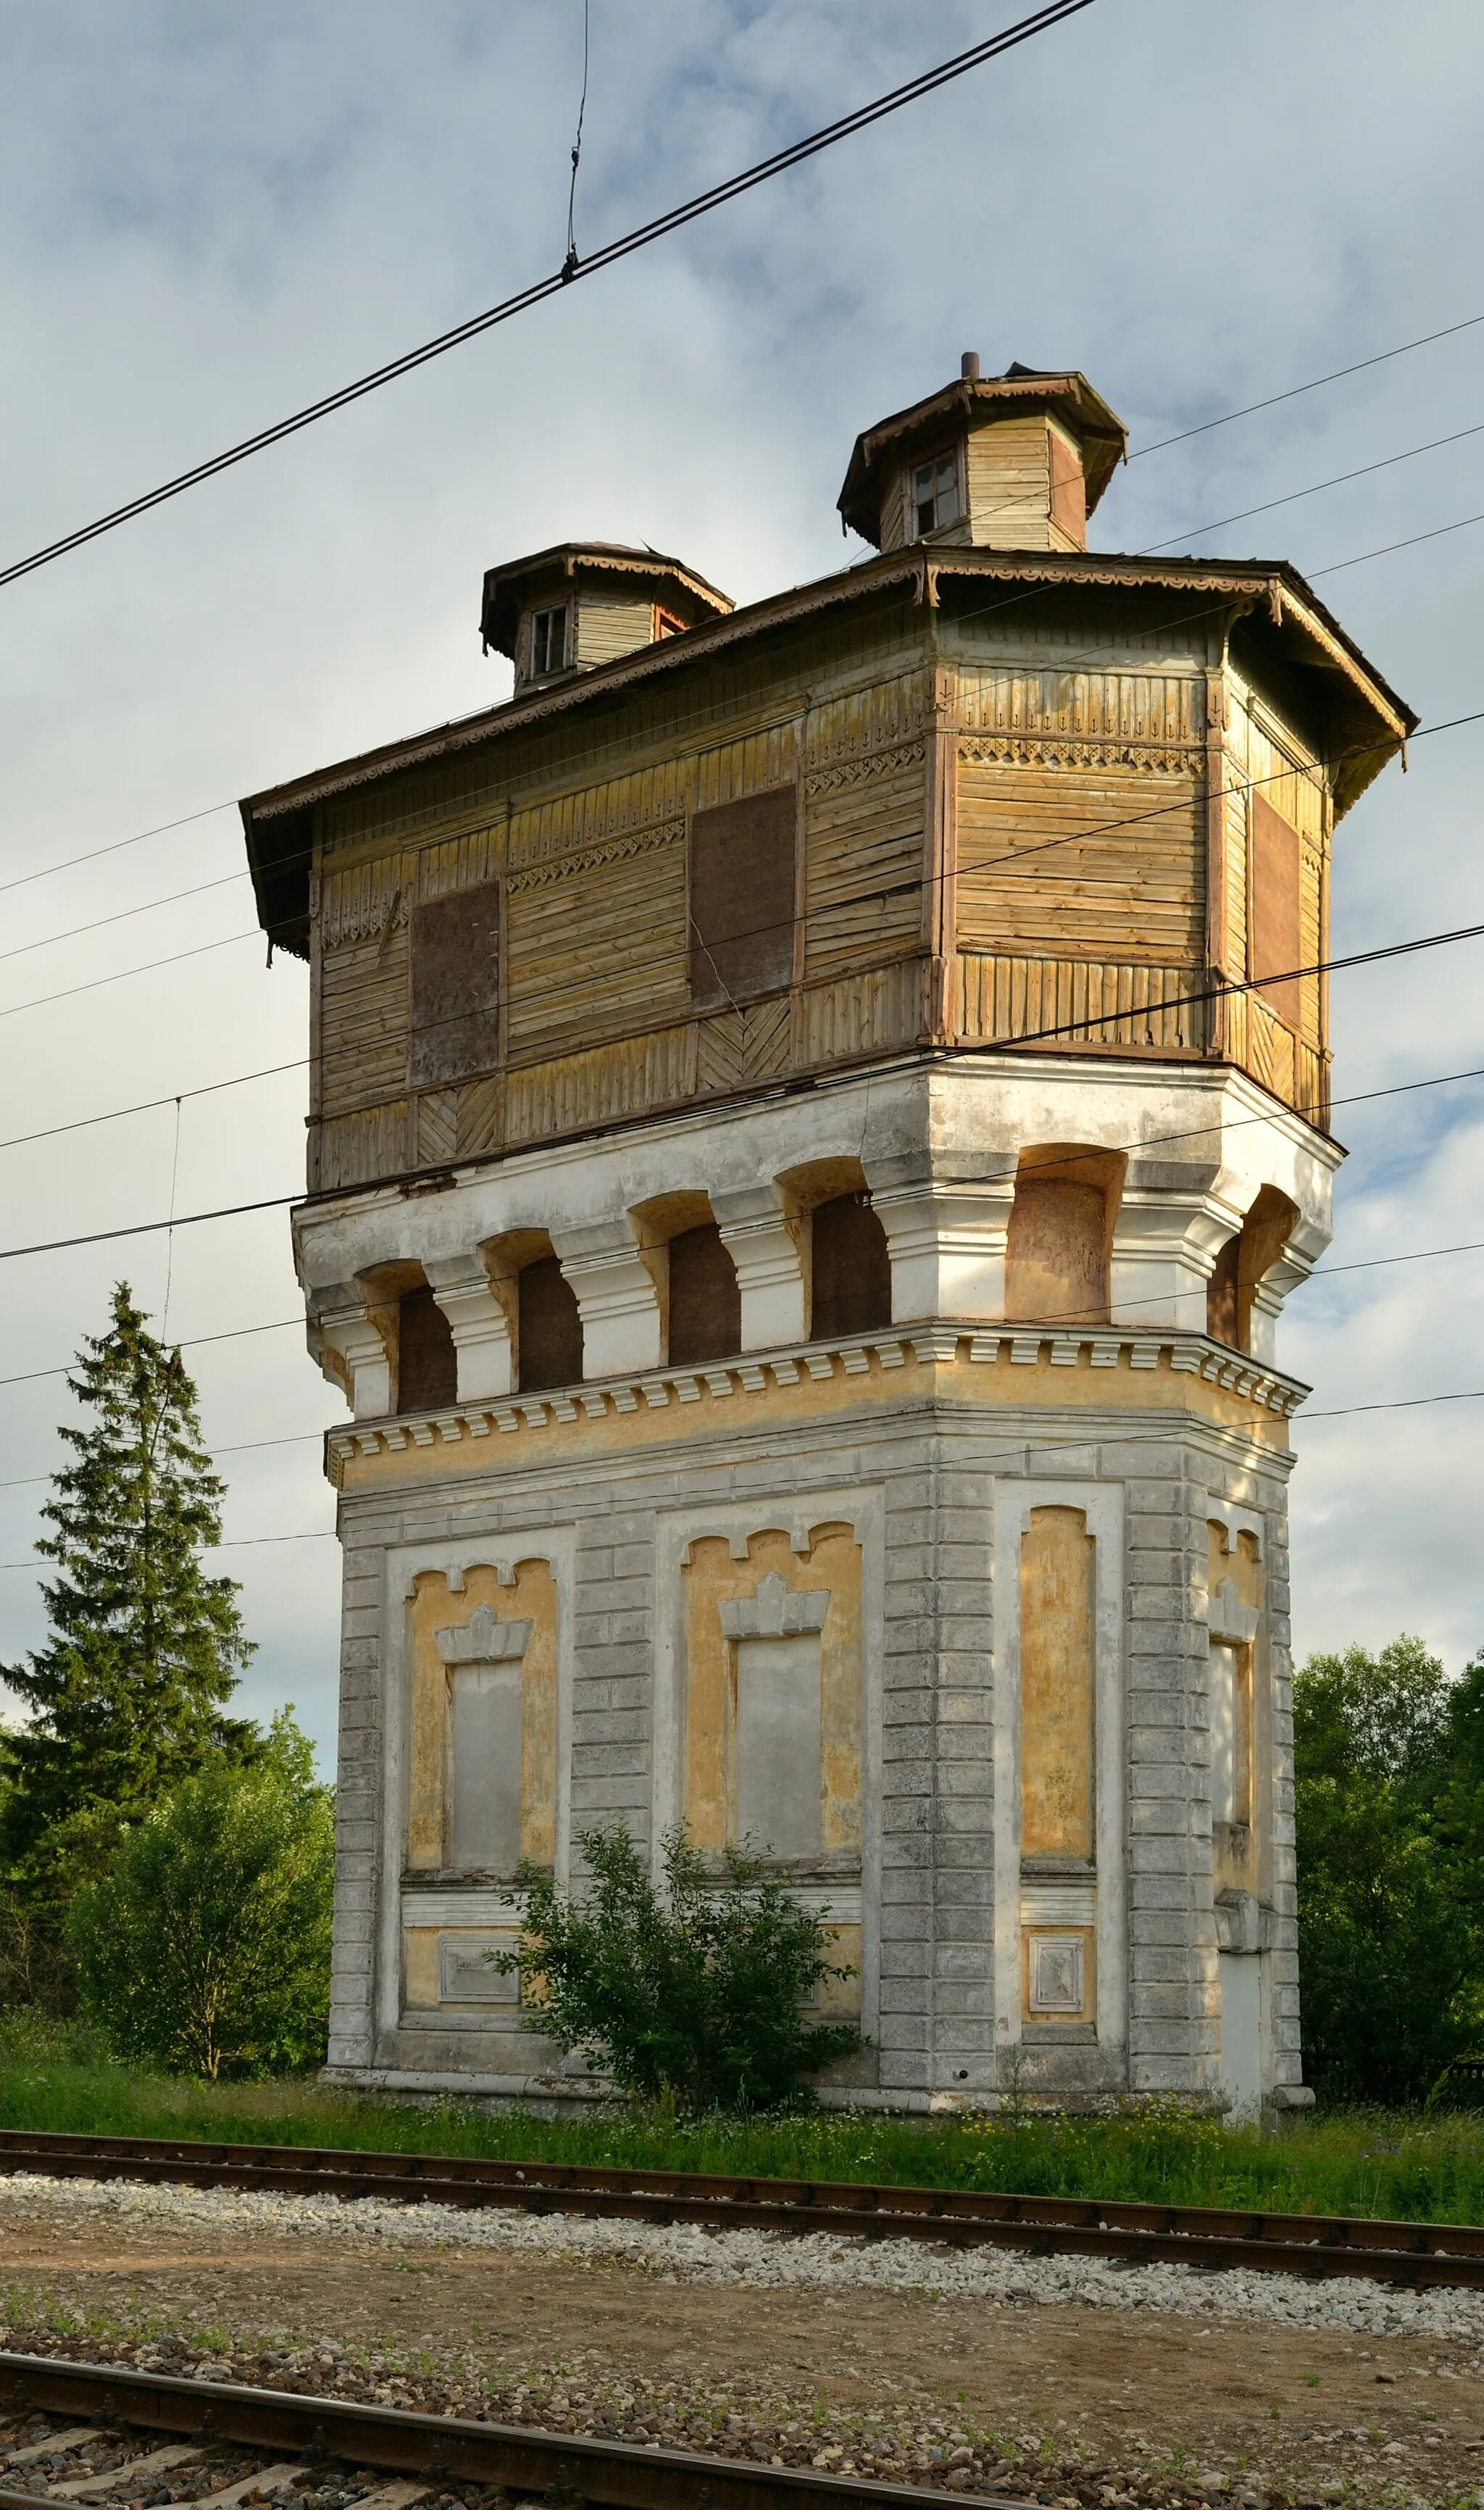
<point x="816" y="1112"/>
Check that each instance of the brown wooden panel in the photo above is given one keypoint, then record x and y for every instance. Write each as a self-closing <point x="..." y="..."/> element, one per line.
<point x="1276" y="938"/>
<point x="741" y="896"/>
<point x="852" y="1268"/>
<point x="551" y="1335"/>
<point x="704" y="1300"/>
<point x="1069" y="491"/>
<point x="455" y="985"/>
<point x="427" y="1364"/>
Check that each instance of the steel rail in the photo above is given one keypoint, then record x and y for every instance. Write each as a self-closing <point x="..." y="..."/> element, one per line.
<point x="1209" y="2237"/>
<point x="444" y="2448"/>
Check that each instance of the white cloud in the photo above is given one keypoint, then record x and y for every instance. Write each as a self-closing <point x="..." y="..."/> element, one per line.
<point x="214" y="214"/>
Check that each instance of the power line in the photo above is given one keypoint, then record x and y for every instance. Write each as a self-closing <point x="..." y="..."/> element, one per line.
<point x="244" y="1447"/>
<point x="39" y="1002"/>
<point x="988" y="1045"/>
<point x="196" y="1341"/>
<point x="247" y="1542"/>
<point x="1296" y="390"/>
<point x="1003" y="870"/>
<point x="1198" y="531"/>
<point x="667" y="223"/>
<point x="213" y="809"/>
<point x="1029" y="1444"/>
<point x="305" y="855"/>
<point x="118" y="845"/>
<point x="148" y="1106"/>
<point x="311" y="1438"/>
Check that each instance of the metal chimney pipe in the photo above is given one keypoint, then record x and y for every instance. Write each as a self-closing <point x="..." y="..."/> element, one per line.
<point x="969" y="366"/>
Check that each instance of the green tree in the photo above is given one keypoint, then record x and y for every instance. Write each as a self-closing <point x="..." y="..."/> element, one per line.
<point x="1388" y="1853"/>
<point x="693" y="1992"/>
<point x="205" y="1949"/>
<point x="144" y="1648"/>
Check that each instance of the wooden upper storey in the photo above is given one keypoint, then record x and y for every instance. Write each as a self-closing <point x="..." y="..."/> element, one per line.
<point x="952" y="799"/>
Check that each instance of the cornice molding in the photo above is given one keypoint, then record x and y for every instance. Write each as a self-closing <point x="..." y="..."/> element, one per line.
<point x="924" y="1346"/>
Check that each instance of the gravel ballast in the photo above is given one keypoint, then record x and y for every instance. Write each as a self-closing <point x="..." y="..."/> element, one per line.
<point x="684" y="2253"/>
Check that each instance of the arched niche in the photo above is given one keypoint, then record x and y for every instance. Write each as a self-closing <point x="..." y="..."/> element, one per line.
<point x="694" y="1277"/>
<point x="1241" y="1265"/>
<point x="416" y="1336"/>
<point x="842" y="1245"/>
<point x="1060" y="1236"/>
<point x="540" y="1310"/>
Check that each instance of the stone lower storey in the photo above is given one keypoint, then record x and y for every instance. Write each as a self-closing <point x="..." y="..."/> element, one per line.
<point x="1001" y="1689"/>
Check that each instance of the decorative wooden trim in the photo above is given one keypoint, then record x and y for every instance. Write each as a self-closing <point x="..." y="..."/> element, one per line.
<point x="1060" y="749"/>
<point x="841" y="773"/>
<point x="941" y="860"/>
<point x="1216" y="934"/>
<point x="646" y="840"/>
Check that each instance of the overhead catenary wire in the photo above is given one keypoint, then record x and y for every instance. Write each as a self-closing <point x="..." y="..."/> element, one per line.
<point x="669" y="222"/>
<point x="72" y="862"/>
<point x="988" y="1045"/>
<point x="1340" y="478"/>
<point x="1009" y="868"/>
<point x="1028" y="1444"/>
<point x="1317" y="383"/>
<point x="1016" y="1324"/>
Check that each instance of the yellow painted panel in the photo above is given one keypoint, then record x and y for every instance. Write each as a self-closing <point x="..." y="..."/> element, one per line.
<point x="420" y="1966"/>
<point x="713" y="1578"/>
<point x="533" y="1598"/>
<point x="1057" y="1684"/>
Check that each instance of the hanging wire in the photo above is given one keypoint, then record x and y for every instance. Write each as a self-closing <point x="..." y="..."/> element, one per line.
<point x="170" y="1234"/>
<point x="569" y="266"/>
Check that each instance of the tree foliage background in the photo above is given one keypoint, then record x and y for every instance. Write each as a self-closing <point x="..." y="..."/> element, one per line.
<point x="1389" y="1812"/>
<point x="165" y="1866"/>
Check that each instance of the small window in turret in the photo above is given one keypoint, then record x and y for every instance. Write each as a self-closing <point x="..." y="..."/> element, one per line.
<point x="549" y="641"/>
<point x="936" y="493"/>
<point x="668" y="625"/>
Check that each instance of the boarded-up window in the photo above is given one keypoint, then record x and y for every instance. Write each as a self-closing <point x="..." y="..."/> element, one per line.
<point x="485" y="1743"/>
<point x="427" y="1364"/>
<point x="1231" y="1721"/>
<point x="551" y="1349"/>
<point x="741" y="897"/>
<point x="779" y="1744"/>
<point x="1276" y="945"/>
<point x="1221" y="1308"/>
<point x="455" y="985"/>
<point x="1056" y="1714"/>
<point x="704" y="1300"/>
<point x="1059" y="1238"/>
<point x="852" y="1269"/>
<point x="1069" y="489"/>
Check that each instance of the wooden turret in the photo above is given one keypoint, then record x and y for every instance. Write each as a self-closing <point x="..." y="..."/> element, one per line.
<point x="1013" y="461"/>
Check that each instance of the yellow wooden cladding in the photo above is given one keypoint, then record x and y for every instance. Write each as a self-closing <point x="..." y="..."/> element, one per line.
<point x="1066" y="801"/>
<point x="632" y="893"/>
<point x="1080" y="1003"/>
<point x="1083" y="865"/>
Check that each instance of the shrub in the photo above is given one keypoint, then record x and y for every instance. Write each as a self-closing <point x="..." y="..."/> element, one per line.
<point x="693" y="1993"/>
<point x="205" y="1949"/>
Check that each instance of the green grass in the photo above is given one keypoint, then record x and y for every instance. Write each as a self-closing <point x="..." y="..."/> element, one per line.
<point x="1414" y="2167"/>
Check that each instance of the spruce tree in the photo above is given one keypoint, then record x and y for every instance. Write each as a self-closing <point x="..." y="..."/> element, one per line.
<point x="128" y="1695"/>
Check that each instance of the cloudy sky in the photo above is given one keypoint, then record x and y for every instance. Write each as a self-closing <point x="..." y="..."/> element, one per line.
<point x="211" y="215"/>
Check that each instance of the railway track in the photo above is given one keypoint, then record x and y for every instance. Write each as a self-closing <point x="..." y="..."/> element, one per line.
<point x="1414" y="2254"/>
<point x="95" y="2435"/>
